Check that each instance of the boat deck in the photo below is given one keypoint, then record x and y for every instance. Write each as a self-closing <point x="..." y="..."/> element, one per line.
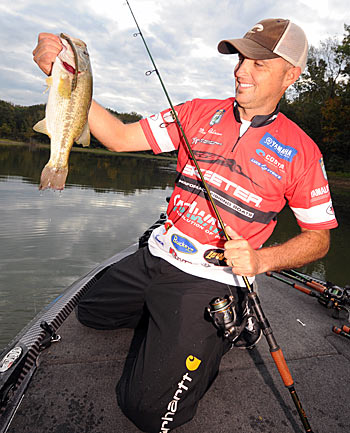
<point x="73" y="391"/>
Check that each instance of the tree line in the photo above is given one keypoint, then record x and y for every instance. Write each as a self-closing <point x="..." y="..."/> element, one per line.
<point x="16" y="122"/>
<point x="319" y="102"/>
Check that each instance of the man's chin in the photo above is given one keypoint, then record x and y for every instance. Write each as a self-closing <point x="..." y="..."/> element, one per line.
<point x="242" y="101"/>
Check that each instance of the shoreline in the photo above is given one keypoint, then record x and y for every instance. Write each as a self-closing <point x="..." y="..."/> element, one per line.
<point x="93" y="150"/>
<point x="337" y="180"/>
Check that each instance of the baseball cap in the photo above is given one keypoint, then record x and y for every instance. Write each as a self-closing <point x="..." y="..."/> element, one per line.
<point x="268" y="39"/>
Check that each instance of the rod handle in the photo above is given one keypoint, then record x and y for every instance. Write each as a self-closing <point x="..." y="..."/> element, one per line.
<point x="339" y="331"/>
<point x="346" y="329"/>
<point x="282" y="367"/>
<point x="304" y="290"/>
<point x="316" y="286"/>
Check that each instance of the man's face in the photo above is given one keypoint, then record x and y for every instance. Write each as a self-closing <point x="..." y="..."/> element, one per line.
<point x="260" y="84"/>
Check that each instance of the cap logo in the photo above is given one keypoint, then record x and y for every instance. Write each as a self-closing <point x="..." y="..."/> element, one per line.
<point x="257" y="28"/>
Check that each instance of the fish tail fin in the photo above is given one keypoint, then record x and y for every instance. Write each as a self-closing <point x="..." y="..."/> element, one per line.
<point x="54" y="178"/>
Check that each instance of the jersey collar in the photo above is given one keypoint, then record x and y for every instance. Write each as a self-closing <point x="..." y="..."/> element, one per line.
<point x="259" y="120"/>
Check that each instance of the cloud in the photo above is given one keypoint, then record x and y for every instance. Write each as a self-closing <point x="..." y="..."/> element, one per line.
<point x="182" y="36"/>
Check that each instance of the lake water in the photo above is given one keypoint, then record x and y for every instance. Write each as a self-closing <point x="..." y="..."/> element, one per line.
<point x="49" y="239"/>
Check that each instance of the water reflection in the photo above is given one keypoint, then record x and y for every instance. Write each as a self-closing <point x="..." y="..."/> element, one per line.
<point x="49" y="239"/>
<point x="99" y="172"/>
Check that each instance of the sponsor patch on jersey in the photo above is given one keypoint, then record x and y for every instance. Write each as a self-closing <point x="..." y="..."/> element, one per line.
<point x="281" y="150"/>
<point x="176" y="257"/>
<point x="317" y="192"/>
<point x="270" y="159"/>
<point x="183" y="245"/>
<point x="215" y="257"/>
<point x="330" y="210"/>
<point x="323" y="168"/>
<point x="264" y="167"/>
<point x="195" y="140"/>
<point x="217" y="117"/>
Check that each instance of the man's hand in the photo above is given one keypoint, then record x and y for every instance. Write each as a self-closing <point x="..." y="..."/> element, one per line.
<point x="243" y="259"/>
<point x="306" y="247"/>
<point x="46" y="51"/>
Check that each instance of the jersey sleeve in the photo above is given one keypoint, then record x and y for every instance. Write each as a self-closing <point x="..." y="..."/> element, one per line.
<point x="310" y="199"/>
<point x="162" y="131"/>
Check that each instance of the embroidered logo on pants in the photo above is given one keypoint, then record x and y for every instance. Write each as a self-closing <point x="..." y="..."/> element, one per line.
<point x="192" y="364"/>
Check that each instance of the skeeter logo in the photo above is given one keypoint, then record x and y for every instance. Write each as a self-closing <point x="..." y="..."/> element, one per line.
<point x="183" y="245"/>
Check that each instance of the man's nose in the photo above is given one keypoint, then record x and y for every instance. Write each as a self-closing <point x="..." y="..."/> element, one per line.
<point x="242" y="67"/>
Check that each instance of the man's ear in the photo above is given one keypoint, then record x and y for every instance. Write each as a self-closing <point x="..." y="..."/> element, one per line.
<point x="292" y="75"/>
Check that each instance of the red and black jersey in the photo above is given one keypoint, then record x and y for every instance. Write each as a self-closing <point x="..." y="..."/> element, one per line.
<point x="250" y="178"/>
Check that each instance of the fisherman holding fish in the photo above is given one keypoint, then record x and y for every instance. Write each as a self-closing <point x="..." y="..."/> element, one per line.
<point x="254" y="160"/>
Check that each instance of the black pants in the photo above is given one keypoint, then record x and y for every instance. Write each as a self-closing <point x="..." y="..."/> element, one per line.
<point x="180" y="353"/>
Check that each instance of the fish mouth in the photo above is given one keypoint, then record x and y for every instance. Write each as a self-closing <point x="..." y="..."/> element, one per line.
<point x="76" y="62"/>
<point x="69" y="67"/>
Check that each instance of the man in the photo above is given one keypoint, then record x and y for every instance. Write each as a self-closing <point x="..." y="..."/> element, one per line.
<point x="254" y="160"/>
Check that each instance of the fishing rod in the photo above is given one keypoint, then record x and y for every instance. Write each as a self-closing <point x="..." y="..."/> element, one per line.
<point x="331" y="296"/>
<point x="275" y="350"/>
<point x="295" y="285"/>
<point x="343" y="331"/>
<point x="308" y="281"/>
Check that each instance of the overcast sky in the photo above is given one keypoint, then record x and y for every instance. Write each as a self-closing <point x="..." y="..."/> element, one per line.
<point x="182" y="36"/>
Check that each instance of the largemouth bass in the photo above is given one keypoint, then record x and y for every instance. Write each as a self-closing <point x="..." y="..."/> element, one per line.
<point x="67" y="109"/>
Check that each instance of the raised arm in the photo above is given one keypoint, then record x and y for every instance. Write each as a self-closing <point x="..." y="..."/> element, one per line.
<point x="113" y="133"/>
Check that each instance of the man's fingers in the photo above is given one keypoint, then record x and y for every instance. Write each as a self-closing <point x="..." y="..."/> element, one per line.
<point x="232" y="233"/>
<point x="235" y="239"/>
<point x="46" y="51"/>
<point x="48" y="39"/>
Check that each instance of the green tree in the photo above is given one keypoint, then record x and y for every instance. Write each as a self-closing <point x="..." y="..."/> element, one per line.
<point x="319" y="101"/>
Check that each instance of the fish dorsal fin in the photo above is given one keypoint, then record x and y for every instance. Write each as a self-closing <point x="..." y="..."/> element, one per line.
<point x="41" y="127"/>
<point x="84" y="138"/>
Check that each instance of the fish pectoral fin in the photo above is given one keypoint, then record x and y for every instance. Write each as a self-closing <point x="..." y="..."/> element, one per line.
<point x="84" y="138"/>
<point x="65" y="87"/>
<point x="41" y="127"/>
<point x="49" y="82"/>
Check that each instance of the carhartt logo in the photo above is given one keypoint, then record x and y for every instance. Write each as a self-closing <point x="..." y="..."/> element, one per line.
<point x="192" y="363"/>
<point x="257" y="28"/>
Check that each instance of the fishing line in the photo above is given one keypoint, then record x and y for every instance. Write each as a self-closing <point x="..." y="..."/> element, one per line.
<point x="176" y="118"/>
<point x="275" y="350"/>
